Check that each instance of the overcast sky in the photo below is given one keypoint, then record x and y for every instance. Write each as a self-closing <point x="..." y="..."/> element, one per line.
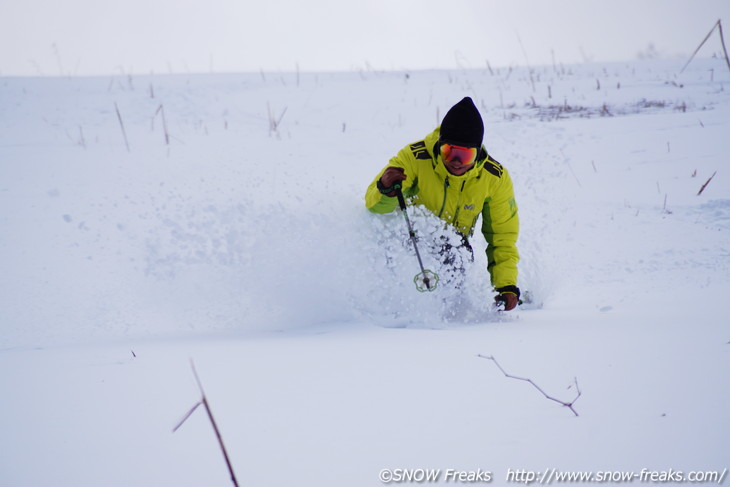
<point x="99" y="37"/>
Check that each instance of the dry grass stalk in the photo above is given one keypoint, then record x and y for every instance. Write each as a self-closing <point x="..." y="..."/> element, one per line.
<point x="665" y="210"/>
<point x="161" y="111"/>
<point x="718" y="26"/>
<point x="121" y="124"/>
<point x="706" y="183"/>
<point x="82" y="139"/>
<point x="204" y="401"/>
<point x="273" y="121"/>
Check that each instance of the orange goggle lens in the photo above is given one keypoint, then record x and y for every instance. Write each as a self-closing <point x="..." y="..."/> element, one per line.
<point x="465" y="155"/>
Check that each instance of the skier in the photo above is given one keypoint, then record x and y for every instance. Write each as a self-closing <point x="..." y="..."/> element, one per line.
<point x="450" y="173"/>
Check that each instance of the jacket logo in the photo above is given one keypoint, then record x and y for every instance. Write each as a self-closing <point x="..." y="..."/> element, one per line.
<point x="419" y="150"/>
<point x="469" y="207"/>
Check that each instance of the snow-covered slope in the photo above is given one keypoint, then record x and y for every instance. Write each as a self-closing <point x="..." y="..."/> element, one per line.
<point x="150" y="220"/>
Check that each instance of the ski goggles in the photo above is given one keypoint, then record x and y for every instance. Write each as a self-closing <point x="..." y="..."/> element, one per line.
<point x="465" y="155"/>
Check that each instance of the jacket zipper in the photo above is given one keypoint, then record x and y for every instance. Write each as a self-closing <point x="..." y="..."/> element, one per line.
<point x="443" y="204"/>
<point x="458" y="200"/>
<point x="458" y="203"/>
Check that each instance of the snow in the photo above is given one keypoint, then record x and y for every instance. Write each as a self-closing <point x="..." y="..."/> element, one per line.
<point x="243" y="244"/>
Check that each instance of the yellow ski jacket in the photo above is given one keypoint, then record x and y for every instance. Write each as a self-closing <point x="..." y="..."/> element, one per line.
<point x="484" y="190"/>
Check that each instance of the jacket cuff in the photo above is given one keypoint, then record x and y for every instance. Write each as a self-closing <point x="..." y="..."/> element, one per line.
<point x="509" y="289"/>
<point x="389" y="191"/>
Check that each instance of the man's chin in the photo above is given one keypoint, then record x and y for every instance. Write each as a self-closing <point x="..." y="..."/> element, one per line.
<point x="459" y="170"/>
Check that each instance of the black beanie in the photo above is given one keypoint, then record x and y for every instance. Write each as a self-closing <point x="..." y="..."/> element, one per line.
<point x="462" y="125"/>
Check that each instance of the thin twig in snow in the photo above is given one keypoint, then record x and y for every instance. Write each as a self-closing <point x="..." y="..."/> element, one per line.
<point x="569" y="405"/>
<point x="187" y="415"/>
<point x="204" y="402"/>
<point x="82" y="140"/>
<point x="722" y="41"/>
<point x="161" y="111"/>
<point x="664" y="208"/>
<point x="527" y="62"/>
<point x="706" y="183"/>
<point x="121" y="124"/>
<point x="571" y="168"/>
<point x="718" y="25"/>
<point x="273" y="121"/>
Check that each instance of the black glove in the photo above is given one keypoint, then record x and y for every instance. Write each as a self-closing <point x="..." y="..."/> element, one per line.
<point x="509" y="297"/>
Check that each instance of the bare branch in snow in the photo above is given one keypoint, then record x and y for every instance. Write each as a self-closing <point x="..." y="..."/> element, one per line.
<point x="569" y="405"/>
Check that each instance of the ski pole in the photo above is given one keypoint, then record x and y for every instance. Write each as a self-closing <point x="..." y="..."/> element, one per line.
<point x="426" y="277"/>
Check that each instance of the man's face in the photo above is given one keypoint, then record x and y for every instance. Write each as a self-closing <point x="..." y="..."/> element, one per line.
<point x="457" y="168"/>
<point x="457" y="159"/>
